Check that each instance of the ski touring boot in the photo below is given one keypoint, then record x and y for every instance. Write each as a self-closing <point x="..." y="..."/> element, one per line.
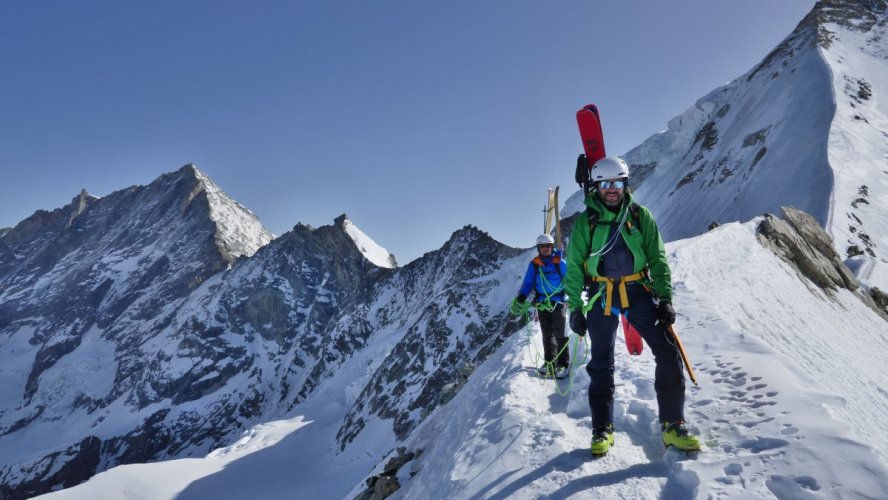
<point x="676" y="434"/>
<point x="545" y="370"/>
<point x="602" y="440"/>
<point x="561" y="372"/>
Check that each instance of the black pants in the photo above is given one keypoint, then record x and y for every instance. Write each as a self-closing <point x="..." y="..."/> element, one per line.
<point x="668" y="376"/>
<point x="554" y="340"/>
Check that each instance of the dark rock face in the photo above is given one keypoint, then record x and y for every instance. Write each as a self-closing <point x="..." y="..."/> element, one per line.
<point x="436" y="288"/>
<point x="880" y="298"/>
<point x="857" y="15"/>
<point x="70" y="467"/>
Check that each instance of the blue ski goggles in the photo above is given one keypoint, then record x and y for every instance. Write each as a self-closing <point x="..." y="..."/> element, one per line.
<point x="611" y="184"/>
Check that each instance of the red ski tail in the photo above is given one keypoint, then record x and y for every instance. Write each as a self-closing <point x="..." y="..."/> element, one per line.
<point x="633" y="338"/>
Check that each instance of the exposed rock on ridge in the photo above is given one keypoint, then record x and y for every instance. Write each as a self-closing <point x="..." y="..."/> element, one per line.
<point x="799" y="240"/>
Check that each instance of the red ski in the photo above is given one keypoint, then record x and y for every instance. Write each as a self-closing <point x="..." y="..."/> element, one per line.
<point x="633" y="338"/>
<point x="589" y="122"/>
<point x="591" y="134"/>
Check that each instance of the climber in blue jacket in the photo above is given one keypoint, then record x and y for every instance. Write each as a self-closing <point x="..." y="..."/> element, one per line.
<point x="543" y="276"/>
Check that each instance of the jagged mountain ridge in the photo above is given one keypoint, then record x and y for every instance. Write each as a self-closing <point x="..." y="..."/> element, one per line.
<point x="206" y="346"/>
<point x="100" y="277"/>
<point x="451" y="330"/>
<point x="89" y="263"/>
<point x="805" y="127"/>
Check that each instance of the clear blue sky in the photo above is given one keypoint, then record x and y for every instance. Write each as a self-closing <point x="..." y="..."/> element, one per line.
<point x="414" y="118"/>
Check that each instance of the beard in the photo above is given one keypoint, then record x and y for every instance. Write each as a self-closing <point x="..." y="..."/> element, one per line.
<point x="611" y="202"/>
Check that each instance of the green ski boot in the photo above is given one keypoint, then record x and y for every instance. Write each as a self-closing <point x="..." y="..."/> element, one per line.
<point x="676" y="434"/>
<point x="602" y="440"/>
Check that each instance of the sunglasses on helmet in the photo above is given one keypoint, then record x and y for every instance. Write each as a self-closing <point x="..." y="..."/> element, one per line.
<point x="608" y="184"/>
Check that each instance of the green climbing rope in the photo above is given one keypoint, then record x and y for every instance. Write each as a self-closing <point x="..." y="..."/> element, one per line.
<point x="523" y="309"/>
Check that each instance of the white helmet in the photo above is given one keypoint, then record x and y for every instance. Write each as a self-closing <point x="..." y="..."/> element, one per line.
<point x="545" y="239"/>
<point x="609" y="167"/>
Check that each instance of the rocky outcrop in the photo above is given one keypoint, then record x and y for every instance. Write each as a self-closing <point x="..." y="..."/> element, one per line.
<point x="58" y="469"/>
<point x="799" y="240"/>
<point x="880" y="298"/>
<point x="385" y="484"/>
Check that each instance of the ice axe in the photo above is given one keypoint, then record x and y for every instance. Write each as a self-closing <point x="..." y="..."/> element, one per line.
<point x="684" y="355"/>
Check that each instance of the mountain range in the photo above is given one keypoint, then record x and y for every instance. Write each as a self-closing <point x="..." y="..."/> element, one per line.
<point x="162" y="342"/>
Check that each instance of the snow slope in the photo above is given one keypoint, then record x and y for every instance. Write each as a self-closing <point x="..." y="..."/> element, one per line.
<point x="773" y="409"/>
<point x="858" y="145"/>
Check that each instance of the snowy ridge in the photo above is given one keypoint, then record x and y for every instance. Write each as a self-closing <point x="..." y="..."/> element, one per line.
<point x="766" y="409"/>
<point x="806" y="127"/>
<point x="762" y="408"/>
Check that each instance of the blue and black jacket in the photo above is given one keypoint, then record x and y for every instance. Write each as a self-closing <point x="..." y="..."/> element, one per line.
<point x="544" y="276"/>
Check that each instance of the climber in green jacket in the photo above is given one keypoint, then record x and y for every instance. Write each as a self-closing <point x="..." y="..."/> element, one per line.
<point x="617" y="255"/>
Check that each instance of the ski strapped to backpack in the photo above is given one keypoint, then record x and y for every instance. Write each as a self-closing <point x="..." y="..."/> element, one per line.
<point x="592" y="136"/>
<point x="552" y="218"/>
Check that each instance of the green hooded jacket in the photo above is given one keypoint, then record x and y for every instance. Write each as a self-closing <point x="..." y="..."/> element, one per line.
<point x="646" y="246"/>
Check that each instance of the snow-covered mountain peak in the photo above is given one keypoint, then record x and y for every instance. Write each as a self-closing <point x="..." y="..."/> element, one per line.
<point x="468" y="239"/>
<point x="806" y="127"/>
<point x="371" y="250"/>
<point x="239" y="231"/>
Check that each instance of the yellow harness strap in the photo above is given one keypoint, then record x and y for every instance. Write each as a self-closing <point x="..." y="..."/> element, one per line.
<point x="621" y="286"/>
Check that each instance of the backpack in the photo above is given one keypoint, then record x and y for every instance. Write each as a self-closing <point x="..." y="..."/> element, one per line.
<point x="538" y="262"/>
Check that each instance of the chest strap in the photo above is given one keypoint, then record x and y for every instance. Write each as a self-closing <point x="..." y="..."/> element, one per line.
<point x="621" y="286"/>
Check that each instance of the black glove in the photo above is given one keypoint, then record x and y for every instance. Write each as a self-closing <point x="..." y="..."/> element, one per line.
<point x="578" y="322"/>
<point x="521" y="298"/>
<point x="665" y="313"/>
